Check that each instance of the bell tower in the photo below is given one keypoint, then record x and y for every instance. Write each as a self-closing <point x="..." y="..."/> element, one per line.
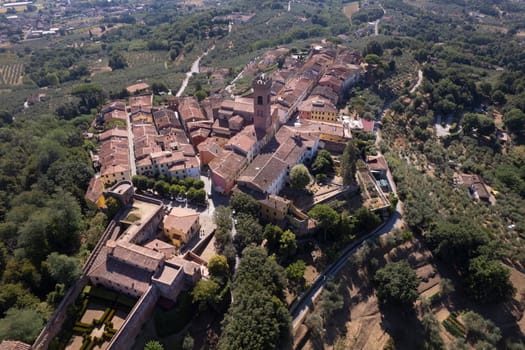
<point x="262" y="117"/>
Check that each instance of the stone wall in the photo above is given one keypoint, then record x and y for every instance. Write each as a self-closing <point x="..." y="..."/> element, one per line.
<point x="141" y="312"/>
<point x="54" y="324"/>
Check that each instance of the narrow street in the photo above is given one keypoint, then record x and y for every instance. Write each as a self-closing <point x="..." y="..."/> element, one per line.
<point x="131" y="146"/>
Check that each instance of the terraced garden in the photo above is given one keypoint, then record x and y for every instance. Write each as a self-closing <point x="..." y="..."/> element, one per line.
<point x="95" y="318"/>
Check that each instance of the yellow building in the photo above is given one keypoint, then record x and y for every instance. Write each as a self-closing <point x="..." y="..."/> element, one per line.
<point x="181" y="225"/>
<point x="274" y="208"/>
<point x="320" y="109"/>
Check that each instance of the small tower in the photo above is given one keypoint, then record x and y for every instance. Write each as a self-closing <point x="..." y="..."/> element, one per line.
<point x="262" y="117"/>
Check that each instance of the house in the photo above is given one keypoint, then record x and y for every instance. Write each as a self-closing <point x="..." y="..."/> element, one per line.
<point x="166" y="119"/>
<point x="332" y="137"/>
<point x="209" y="149"/>
<point x="140" y="102"/>
<point x="224" y="169"/>
<point x="137" y="88"/>
<point x="274" y="208"/>
<point x="141" y="115"/>
<point x="377" y="164"/>
<point x="113" y="156"/>
<point x="180" y="163"/>
<point x="476" y="186"/>
<point x="162" y="247"/>
<point x="318" y="108"/>
<point x="181" y="225"/>
<point x="268" y="172"/>
<point x="189" y="110"/>
<point x="244" y="143"/>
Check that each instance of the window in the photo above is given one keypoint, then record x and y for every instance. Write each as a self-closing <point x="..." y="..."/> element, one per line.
<point x="259" y="100"/>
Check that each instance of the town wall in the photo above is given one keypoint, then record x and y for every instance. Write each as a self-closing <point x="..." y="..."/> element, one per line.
<point x="54" y="325"/>
<point x="141" y="312"/>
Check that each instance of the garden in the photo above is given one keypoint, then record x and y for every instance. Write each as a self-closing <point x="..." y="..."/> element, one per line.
<point x="94" y="319"/>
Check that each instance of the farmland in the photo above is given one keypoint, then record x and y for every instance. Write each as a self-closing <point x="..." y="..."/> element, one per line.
<point x="11" y="74"/>
<point x="350" y="9"/>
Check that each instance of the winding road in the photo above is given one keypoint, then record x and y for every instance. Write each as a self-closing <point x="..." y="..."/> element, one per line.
<point x="195" y="68"/>
<point x="300" y="309"/>
<point x="304" y="303"/>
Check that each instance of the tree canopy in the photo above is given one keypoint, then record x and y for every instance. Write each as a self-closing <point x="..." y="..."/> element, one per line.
<point x="488" y="280"/>
<point x="326" y="217"/>
<point x="299" y="177"/>
<point x="21" y="324"/>
<point x="396" y="284"/>
<point x="257" y="318"/>
<point x="244" y="203"/>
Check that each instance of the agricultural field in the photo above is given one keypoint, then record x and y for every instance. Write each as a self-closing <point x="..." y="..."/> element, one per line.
<point x="350" y="9"/>
<point x="11" y="70"/>
<point x="11" y="74"/>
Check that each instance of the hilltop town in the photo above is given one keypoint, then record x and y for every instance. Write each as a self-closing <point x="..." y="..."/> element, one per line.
<point x="260" y="175"/>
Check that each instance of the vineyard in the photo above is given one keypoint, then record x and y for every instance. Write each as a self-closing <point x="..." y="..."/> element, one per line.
<point x="135" y="59"/>
<point x="11" y="74"/>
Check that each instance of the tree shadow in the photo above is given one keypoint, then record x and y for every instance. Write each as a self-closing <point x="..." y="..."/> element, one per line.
<point x="403" y="326"/>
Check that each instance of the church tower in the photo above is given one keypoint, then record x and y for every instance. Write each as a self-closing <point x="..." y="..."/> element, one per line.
<point x="262" y="116"/>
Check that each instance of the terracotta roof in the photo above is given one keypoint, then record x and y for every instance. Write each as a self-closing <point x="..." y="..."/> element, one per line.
<point x="236" y="122"/>
<point x="181" y="219"/>
<point x="143" y="101"/>
<point x="115" y="114"/>
<point x="137" y="87"/>
<point x="210" y="145"/>
<point x="283" y="151"/>
<point x="331" y="129"/>
<point x="137" y="256"/>
<point x="95" y="189"/>
<point x="227" y="165"/>
<point x="243" y="141"/>
<point x="114" y="132"/>
<point x="114" y="105"/>
<point x="317" y="103"/>
<point x="368" y="125"/>
<point x="470" y="179"/>
<point x="159" y="246"/>
<point x="122" y="273"/>
<point x="376" y="163"/>
<point x="14" y="345"/>
<point x="166" y="118"/>
<point x="190" y="110"/>
<point x="277" y="202"/>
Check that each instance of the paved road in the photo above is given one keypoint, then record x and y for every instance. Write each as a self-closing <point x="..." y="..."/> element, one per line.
<point x="194" y="69"/>
<point x="300" y="310"/>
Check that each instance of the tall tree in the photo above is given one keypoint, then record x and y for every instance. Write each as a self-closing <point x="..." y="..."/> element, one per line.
<point x="299" y="177"/>
<point x="396" y="284"/>
<point x="62" y="268"/>
<point x="257" y="318"/>
<point x="244" y="203"/>
<point x="117" y="61"/>
<point x="326" y="217"/>
<point x="488" y="280"/>
<point x="348" y="163"/>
